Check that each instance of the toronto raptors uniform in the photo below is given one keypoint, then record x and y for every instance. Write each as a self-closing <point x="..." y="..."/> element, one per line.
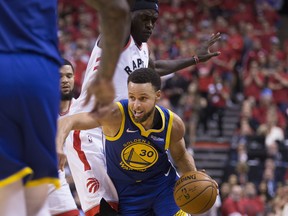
<point x="61" y="201"/>
<point x="85" y="149"/>
<point x="137" y="163"/>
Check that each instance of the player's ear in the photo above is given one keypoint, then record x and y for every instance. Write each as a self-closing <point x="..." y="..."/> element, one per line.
<point x="158" y="95"/>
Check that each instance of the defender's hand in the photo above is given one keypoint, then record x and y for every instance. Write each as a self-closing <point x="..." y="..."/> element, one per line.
<point x="103" y="91"/>
<point x="203" y="52"/>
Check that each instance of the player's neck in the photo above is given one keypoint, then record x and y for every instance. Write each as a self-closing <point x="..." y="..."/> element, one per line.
<point x="64" y="107"/>
<point x="149" y="123"/>
<point x="137" y="42"/>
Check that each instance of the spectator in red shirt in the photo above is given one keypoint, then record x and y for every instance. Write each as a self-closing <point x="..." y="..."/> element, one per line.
<point x="254" y="53"/>
<point x="204" y="77"/>
<point x="252" y="203"/>
<point x="253" y="81"/>
<point x="278" y="83"/>
<point x="218" y="96"/>
<point x="232" y="204"/>
<point x="259" y="112"/>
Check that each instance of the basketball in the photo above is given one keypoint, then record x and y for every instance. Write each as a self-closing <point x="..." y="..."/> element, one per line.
<point x="195" y="192"/>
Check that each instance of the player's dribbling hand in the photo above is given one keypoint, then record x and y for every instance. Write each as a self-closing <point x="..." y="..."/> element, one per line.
<point x="203" y="52"/>
<point x="204" y="171"/>
<point x="103" y="92"/>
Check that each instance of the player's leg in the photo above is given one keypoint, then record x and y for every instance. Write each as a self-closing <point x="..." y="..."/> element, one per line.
<point x="87" y="164"/>
<point x="39" y="105"/>
<point x="36" y="200"/>
<point x="28" y="115"/>
<point x="11" y="195"/>
<point x="61" y="201"/>
<point x="164" y="203"/>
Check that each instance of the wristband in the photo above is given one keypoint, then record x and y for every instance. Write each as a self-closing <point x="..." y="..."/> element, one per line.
<point x="196" y="59"/>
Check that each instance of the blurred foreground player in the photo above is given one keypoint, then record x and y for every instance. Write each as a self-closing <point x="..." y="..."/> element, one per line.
<point x="29" y="94"/>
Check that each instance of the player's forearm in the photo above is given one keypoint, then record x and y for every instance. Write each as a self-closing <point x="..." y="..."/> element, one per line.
<point x="186" y="163"/>
<point x="114" y="25"/>
<point x="63" y="129"/>
<point x="165" y="67"/>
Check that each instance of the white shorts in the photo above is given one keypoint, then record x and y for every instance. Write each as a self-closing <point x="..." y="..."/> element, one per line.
<point x="87" y="162"/>
<point x="61" y="200"/>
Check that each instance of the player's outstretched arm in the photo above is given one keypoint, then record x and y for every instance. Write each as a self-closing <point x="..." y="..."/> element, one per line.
<point x="182" y="159"/>
<point x="80" y="121"/>
<point x="114" y="24"/>
<point x="203" y="54"/>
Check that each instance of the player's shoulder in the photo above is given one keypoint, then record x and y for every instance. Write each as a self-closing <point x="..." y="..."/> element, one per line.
<point x="177" y="124"/>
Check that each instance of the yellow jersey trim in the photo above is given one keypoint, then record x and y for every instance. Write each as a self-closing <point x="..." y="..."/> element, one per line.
<point x="47" y="180"/>
<point x="16" y="176"/>
<point x="181" y="213"/>
<point x="169" y="130"/>
<point x="119" y="134"/>
<point x="145" y="132"/>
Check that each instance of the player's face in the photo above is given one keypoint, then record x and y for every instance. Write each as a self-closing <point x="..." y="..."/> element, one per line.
<point x="142" y="100"/>
<point x="143" y="22"/>
<point x="66" y="82"/>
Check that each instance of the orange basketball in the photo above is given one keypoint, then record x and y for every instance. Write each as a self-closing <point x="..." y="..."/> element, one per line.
<point x="195" y="192"/>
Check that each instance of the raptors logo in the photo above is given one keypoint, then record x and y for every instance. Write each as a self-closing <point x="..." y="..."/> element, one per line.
<point x="92" y="185"/>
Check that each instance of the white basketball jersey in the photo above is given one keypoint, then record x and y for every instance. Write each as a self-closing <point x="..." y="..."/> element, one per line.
<point x="132" y="58"/>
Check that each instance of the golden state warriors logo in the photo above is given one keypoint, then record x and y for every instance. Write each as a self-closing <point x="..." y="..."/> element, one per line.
<point x="139" y="156"/>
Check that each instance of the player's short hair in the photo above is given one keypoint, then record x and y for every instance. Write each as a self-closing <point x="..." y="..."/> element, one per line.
<point x="66" y="62"/>
<point x="145" y="75"/>
<point x="145" y="4"/>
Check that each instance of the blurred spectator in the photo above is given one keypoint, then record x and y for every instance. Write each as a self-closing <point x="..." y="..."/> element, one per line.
<point x="269" y="128"/>
<point x="253" y="54"/>
<point x="271" y="183"/>
<point x="232" y="205"/>
<point x="278" y="83"/>
<point x="252" y="203"/>
<point x="218" y="98"/>
<point x="242" y="170"/>
<point x="224" y="190"/>
<point x="204" y="77"/>
<point x="174" y="87"/>
<point x="253" y="81"/>
<point x="225" y="63"/>
<point x="191" y="106"/>
<point x="259" y="112"/>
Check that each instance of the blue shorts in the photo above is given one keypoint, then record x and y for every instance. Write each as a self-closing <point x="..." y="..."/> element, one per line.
<point x="153" y="197"/>
<point x="29" y="97"/>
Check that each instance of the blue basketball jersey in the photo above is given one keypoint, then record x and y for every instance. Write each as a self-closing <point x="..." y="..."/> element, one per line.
<point x="29" y="91"/>
<point x="29" y="26"/>
<point x="138" y="165"/>
<point x="136" y="154"/>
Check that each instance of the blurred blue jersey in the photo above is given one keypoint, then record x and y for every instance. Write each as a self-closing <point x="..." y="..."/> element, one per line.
<point x="29" y="26"/>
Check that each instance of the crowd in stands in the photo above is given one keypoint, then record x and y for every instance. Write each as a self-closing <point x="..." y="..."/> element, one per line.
<point x="252" y="72"/>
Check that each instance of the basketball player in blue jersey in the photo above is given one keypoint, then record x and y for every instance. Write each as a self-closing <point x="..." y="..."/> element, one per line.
<point x="139" y="135"/>
<point x="29" y="94"/>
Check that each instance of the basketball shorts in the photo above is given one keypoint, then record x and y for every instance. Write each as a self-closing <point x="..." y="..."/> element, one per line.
<point x="86" y="159"/>
<point x="29" y="97"/>
<point x="61" y="200"/>
<point x="151" y="197"/>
